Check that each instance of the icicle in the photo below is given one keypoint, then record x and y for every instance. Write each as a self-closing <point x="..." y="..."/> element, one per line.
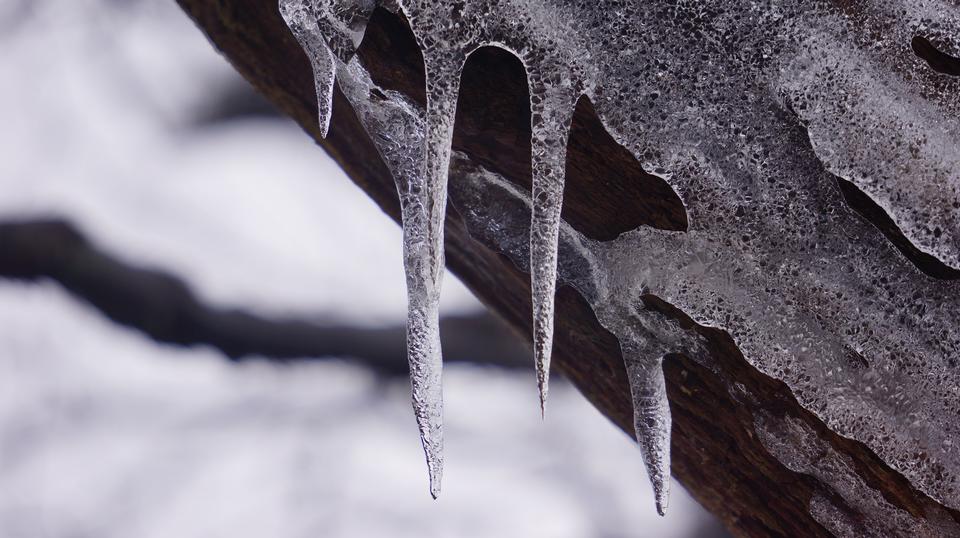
<point x="651" y="419"/>
<point x="551" y="114"/>
<point x="424" y="207"/>
<point x="302" y="21"/>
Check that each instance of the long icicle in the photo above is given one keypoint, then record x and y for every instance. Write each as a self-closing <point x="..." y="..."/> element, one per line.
<point x="302" y="21"/>
<point x="423" y="214"/>
<point x="651" y="418"/>
<point x="551" y="114"/>
<point x="422" y="185"/>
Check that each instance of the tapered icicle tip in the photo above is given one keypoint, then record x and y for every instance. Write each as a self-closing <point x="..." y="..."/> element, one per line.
<point x="435" y="473"/>
<point x="433" y="449"/>
<point x="429" y="420"/>
<point x="324" y="76"/>
<point x="651" y="421"/>
<point x="425" y="372"/>
<point x="324" y="125"/>
<point x="426" y="365"/>
<point x="662" y="498"/>
<point x="543" y="283"/>
<point x="542" y="359"/>
<point x="656" y="451"/>
<point x="302" y="21"/>
<point x="434" y="486"/>
<point x="654" y="441"/>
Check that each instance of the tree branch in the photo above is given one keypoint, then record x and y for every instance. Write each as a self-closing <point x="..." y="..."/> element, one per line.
<point x="166" y="310"/>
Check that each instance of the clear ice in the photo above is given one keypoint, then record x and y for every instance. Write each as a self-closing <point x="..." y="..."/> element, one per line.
<point x="750" y="111"/>
<point x="303" y="24"/>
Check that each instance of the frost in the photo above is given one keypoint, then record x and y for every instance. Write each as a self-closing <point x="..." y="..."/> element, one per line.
<point x="750" y="111"/>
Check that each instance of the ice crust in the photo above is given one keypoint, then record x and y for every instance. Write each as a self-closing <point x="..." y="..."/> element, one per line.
<point x="748" y="110"/>
<point x="797" y="445"/>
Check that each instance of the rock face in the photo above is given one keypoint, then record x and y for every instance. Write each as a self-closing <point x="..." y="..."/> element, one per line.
<point x="762" y="197"/>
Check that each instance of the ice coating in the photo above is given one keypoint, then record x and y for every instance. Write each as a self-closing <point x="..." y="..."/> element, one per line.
<point x="749" y="111"/>
<point x="920" y="137"/>
<point x="799" y="448"/>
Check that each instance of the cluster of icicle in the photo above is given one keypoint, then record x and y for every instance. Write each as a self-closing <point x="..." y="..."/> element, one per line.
<point x="750" y="111"/>
<point x="330" y="32"/>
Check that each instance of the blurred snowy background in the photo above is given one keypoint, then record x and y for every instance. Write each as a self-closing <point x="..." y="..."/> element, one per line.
<point x="120" y="120"/>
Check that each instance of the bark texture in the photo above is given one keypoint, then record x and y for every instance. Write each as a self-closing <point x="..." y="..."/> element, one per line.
<point x="716" y="453"/>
